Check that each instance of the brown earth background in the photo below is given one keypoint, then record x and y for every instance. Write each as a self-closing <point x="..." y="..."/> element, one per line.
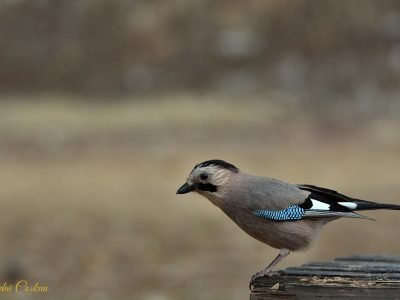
<point x="105" y="106"/>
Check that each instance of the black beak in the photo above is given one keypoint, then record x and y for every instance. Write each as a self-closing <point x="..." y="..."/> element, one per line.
<point x="186" y="188"/>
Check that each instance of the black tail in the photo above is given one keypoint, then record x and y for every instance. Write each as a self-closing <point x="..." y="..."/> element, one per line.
<point x="368" y="205"/>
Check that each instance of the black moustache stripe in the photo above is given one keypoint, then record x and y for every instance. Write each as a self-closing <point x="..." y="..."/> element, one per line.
<point x="208" y="187"/>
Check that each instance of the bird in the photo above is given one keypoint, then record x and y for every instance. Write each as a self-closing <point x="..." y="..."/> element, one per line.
<point x="285" y="216"/>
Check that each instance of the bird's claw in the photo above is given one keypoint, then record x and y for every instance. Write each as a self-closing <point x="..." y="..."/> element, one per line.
<point x="259" y="275"/>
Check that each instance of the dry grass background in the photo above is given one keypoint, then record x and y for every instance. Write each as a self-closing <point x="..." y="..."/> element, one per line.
<point x="88" y="191"/>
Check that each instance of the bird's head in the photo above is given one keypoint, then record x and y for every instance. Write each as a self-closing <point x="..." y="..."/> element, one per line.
<point x="210" y="179"/>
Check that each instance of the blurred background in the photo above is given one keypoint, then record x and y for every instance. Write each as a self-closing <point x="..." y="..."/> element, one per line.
<point x="105" y="107"/>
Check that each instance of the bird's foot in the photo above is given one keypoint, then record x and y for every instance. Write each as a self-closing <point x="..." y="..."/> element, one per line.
<point x="259" y="275"/>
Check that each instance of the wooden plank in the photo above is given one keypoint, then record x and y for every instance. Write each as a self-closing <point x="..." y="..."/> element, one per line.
<point x="370" y="258"/>
<point x="332" y="288"/>
<point x="356" y="277"/>
<point x="327" y="271"/>
<point x="353" y="263"/>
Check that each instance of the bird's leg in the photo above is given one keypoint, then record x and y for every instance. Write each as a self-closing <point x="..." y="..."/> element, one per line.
<point x="282" y="254"/>
<point x="268" y="270"/>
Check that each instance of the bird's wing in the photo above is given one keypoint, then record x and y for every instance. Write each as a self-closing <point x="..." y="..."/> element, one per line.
<point x="320" y="203"/>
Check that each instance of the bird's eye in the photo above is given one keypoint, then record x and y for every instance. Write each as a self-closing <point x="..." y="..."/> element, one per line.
<point x="203" y="176"/>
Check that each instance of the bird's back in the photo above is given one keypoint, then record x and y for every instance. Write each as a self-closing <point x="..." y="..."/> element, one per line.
<point x="256" y="192"/>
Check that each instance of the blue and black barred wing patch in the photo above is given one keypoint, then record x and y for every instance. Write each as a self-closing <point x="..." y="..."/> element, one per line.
<point x="291" y="213"/>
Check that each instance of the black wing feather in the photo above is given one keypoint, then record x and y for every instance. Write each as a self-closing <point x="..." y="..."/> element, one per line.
<point x="327" y="196"/>
<point x="332" y="198"/>
<point x="334" y="195"/>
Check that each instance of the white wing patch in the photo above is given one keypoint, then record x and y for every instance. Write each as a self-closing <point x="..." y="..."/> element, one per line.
<point x="350" y="205"/>
<point x="318" y="205"/>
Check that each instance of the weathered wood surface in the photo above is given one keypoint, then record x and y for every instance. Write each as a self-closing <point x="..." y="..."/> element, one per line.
<point x="355" y="277"/>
